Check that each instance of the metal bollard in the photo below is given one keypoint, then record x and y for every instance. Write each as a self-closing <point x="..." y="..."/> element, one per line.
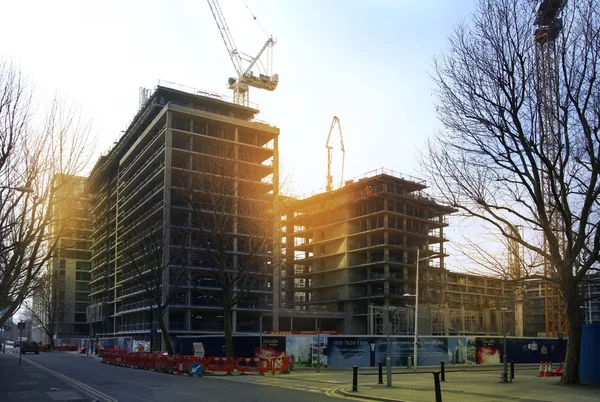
<point x="442" y="372"/>
<point x="380" y="364"/>
<point x="409" y="362"/>
<point x="355" y="379"/>
<point x="438" y="389"/>
<point x="512" y="370"/>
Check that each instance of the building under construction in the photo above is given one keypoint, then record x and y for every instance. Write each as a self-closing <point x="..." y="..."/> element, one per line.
<point x="351" y="256"/>
<point x="148" y="186"/>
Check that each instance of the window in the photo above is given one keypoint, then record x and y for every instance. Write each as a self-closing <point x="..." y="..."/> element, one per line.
<point x="76" y="254"/>
<point x="80" y="317"/>
<point x="81" y="297"/>
<point x="82" y="276"/>
<point x="82" y="286"/>
<point x="83" y="265"/>
<point x="63" y="264"/>
<point x="80" y="307"/>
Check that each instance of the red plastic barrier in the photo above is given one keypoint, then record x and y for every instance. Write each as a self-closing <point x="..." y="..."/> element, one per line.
<point x="280" y="365"/>
<point x="243" y="365"/>
<point x="264" y="365"/>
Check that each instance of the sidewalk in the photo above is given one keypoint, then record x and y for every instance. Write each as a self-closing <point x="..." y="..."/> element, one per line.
<point x="29" y="382"/>
<point x="471" y="387"/>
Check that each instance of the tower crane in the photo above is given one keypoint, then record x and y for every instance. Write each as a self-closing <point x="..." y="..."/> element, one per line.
<point x="245" y="76"/>
<point x="548" y="22"/>
<point x="334" y="122"/>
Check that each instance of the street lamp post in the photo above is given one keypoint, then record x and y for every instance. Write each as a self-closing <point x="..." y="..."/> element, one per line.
<point x="505" y="362"/>
<point x="415" y="340"/>
<point x="388" y="359"/>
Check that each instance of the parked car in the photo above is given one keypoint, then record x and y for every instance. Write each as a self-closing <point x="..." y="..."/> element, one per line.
<point x="32" y="347"/>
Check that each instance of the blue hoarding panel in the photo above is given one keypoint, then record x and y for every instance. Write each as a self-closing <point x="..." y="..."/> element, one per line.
<point x="589" y="361"/>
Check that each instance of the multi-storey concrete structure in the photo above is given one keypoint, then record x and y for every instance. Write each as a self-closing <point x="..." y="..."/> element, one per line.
<point x="70" y="266"/>
<point x="181" y="138"/>
<point x="352" y="256"/>
<point x="355" y="246"/>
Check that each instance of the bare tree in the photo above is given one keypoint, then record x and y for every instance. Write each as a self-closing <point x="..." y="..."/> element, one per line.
<point x="514" y="154"/>
<point x="231" y="216"/>
<point x="149" y="262"/>
<point x="46" y="308"/>
<point x="31" y="153"/>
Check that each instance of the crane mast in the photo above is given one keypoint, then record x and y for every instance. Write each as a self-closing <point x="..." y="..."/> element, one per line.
<point x="245" y="77"/>
<point x="329" y="182"/>
<point x="548" y="23"/>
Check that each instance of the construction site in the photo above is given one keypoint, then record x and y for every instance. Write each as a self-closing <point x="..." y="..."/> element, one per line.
<point x="364" y="256"/>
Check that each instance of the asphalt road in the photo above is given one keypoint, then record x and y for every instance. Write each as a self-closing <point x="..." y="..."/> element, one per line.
<point x="127" y="384"/>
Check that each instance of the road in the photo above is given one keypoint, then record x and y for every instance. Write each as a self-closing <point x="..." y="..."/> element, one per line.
<point x="113" y="383"/>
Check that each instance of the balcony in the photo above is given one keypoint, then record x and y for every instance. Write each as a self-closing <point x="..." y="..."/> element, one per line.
<point x="177" y="326"/>
<point x="252" y="328"/>
<point x="207" y="326"/>
<point x="134" y="306"/>
<point x="134" y="327"/>
<point x="255" y="305"/>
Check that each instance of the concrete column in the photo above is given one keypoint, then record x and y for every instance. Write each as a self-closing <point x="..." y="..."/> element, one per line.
<point x="277" y="263"/>
<point x="167" y="213"/>
<point x="487" y="321"/>
<point x="519" y="312"/>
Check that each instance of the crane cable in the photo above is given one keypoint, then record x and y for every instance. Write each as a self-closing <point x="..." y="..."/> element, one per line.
<point x="255" y="19"/>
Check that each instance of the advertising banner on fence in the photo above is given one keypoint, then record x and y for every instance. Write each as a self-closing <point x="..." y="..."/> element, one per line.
<point x="243" y="346"/>
<point x="347" y="351"/>
<point x="460" y="351"/>
<point x="307" y="350"/>
<point x="519" y="350"/>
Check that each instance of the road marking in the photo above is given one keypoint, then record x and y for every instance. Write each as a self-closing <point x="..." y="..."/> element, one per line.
<point x="94" y="393"/>
<point x="333" y="393"/>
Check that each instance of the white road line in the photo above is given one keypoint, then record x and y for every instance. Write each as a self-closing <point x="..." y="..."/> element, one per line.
<point x="94" y="393"/>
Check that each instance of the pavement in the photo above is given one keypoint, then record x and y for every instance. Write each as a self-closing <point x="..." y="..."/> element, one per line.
<point x="462" y="385"/>
<point x="30" y="382"/>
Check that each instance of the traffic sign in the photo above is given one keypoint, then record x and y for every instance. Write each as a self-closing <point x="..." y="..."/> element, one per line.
<point x="196" y="369"/>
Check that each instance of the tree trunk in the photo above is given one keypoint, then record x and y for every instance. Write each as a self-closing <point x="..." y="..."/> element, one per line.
<point x="165" y="332"/>
<point x="228" y="326"/>
<point x="571" y="371"/>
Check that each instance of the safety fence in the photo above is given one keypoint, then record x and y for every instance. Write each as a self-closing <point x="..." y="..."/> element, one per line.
<point x="188" y="365"/>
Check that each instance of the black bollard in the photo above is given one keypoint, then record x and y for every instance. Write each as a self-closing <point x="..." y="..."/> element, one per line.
<point x="380" y="364"/>
<point x="512" y="370"/>
<point x="355" y="379"/>
<point x="438" y="389"/>
<point x="443" y="372"/>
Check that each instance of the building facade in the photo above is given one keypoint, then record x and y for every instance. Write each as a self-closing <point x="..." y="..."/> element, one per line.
<point x="154" y="182"/>
<point x="69" y="271"/>
<point x="351" y="262"/>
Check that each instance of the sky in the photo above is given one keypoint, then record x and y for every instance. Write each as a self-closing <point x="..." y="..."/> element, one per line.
<point x="367" y="62"/>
